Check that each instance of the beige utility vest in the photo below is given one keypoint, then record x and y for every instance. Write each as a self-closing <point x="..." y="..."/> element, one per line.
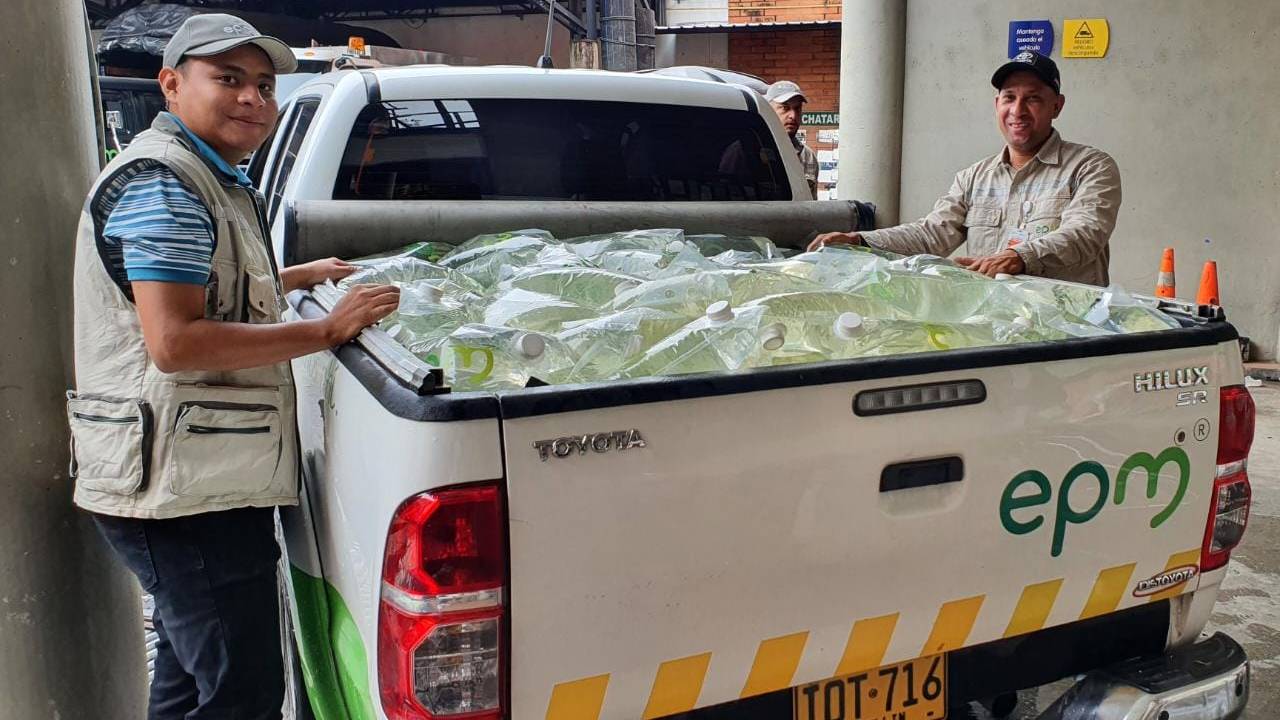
<point x="151" y="444"/>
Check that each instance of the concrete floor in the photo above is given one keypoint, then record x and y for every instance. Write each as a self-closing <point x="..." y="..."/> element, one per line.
<point x="1249" y="608"/>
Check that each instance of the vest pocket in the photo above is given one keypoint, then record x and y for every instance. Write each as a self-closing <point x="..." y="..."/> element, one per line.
<point x="110" y="443"/>
<point x="262" y="297"/>
<point x="224" y="448"/>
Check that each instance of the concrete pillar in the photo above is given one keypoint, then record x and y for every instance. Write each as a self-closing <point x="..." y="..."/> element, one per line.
<point x="873" y="39"/>
<point x="70" y="628"/>
<point x="666" y="51"/>
<point x="584" y="54"/>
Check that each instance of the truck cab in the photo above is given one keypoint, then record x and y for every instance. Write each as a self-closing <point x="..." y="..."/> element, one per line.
<point x="517" y="133"/>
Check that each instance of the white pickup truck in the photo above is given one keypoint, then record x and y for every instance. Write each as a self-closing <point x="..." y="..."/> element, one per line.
<point x="876" y="539"/>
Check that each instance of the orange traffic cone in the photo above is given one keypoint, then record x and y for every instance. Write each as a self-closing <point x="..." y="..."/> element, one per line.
<point x="1165" y="284"/>
<point x="1208" y="294"/>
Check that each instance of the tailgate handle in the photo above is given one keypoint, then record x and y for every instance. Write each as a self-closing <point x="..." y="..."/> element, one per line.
<point x="921" y="473"/>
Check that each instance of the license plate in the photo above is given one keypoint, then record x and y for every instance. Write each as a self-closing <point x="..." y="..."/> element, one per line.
<point x="914" y="690"/>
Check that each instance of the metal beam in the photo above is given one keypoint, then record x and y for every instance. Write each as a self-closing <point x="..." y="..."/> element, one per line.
<point x="564" y="17"/>
<point x="103" y="11"/>
<point x="440" y="11"/>
<point x="735" y="28"/>
<point x="592" y="20"/>
<point x="426" y="13"/>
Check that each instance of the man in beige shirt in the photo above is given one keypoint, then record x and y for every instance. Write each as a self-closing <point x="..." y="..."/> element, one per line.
<point x="1043" y="206"/>
<point x="788" y="101"/>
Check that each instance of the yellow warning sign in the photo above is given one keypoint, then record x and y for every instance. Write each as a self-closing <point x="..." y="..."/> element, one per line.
<point x="1085" y="38"/>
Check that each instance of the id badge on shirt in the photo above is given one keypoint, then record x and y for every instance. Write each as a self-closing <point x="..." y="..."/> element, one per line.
<point x="1015" y="237"/>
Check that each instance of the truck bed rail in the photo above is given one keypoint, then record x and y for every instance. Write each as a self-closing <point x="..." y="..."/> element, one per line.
<point x="354" y="228"/>
<point x="391" y="355"/>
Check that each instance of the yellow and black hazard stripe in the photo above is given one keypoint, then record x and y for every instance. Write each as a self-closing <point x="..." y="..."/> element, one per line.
<point x="677" y="684"/>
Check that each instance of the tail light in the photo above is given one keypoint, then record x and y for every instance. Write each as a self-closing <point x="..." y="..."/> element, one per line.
<point x="1229" y="510"/>
<point x="440" y="628"/>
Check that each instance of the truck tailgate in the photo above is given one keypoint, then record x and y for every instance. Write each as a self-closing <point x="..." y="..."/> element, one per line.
<point x="752" y="544"/>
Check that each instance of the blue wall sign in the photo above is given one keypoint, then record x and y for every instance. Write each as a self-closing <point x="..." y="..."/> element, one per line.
<point x="1034" y="35"/>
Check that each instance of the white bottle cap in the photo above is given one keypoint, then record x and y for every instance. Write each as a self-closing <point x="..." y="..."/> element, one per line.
<point x="432" y="294"/>
<point x="773" y="336"/>
<point x="720" y="311"/>
<point x="530" y="345"/>
<point x="848" y="325"/>
<point x="1003" y="276"/>
<point x="675" y="246"/>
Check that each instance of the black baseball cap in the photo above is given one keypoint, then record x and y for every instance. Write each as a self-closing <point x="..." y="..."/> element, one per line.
<point x="1032" y="62"/>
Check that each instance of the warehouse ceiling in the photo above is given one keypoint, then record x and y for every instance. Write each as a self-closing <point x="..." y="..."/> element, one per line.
<point x="102" y="11"/>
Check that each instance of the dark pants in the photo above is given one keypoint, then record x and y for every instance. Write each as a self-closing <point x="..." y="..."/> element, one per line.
<point x="213" y="577"/>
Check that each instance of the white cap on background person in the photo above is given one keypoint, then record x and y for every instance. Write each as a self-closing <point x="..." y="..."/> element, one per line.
<point x="783" y="91"/>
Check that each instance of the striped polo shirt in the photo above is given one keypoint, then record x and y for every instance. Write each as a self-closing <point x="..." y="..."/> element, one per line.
<point x="158" y="228"/>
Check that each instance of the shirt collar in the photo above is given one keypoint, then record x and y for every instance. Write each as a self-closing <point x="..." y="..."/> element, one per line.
<point x="1050" y="152"/>
<point x="228" y="171"/>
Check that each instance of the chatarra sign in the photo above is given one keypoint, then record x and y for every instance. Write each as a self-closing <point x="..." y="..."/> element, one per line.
<point x="1034" y="35"/>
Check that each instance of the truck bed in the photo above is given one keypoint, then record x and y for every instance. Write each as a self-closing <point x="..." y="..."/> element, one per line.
<point x="682" y="542"/>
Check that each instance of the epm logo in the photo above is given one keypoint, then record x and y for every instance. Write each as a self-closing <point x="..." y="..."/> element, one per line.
<point x="1023" y="503"/>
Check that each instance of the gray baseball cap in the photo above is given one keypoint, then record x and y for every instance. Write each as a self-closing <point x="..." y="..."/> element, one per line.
<point x="216" y="33"/>
<point x="782" y="91"/>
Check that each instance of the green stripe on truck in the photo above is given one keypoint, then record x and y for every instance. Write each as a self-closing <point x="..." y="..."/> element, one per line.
<point x="335" y="666"/>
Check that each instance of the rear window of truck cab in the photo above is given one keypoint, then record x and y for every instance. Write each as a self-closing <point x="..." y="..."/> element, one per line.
<point x="521" y="149"/>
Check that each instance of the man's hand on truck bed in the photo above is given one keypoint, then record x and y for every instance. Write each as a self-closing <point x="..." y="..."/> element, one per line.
<point x="834" y="238"/>
<point x="362" y="306"/>
<point x="315" y="272"/>
<point x="1007" y="262"/>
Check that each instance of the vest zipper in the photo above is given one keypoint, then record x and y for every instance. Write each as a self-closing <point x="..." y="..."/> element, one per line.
<point x="256" y="201"/>
<point x="144" y="409"/>
<point x="261" y="218"/>
<point x="221" y="405"/>
<point x="210" y="430"/>
<point x="107" y="419"/>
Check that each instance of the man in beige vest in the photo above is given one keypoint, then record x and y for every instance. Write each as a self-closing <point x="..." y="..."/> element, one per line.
<point x="182" y="421"/>
<point x="1043" y="206"/>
